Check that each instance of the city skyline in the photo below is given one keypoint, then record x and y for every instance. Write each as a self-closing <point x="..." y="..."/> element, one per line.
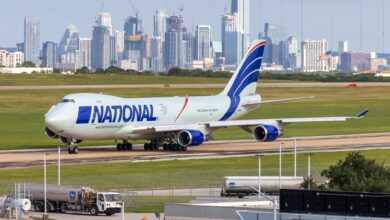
<point x="317" y="18"/>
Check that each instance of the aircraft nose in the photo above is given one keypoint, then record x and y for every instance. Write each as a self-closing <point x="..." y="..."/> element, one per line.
<point x="56" y="120"/>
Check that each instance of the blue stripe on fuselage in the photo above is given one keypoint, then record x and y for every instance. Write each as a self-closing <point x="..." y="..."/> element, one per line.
<point x="84" y="114"/>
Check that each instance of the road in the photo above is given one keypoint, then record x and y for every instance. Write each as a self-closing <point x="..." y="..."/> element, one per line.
<point x="192" y="86"/>
<point x="132" y="216"/>
<point x="216" y="149"/>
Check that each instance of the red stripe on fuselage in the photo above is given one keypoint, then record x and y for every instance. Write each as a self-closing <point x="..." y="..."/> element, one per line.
<point x="182" y="109"/>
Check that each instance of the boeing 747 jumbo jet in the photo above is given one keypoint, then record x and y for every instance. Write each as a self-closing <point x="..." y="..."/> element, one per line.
<point x="173" y="123"/>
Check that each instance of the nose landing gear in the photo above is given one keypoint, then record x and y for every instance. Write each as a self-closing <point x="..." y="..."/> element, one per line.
<point x="73" y="149"/>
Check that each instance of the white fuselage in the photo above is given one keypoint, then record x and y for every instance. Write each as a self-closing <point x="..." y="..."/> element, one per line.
<point x="101" y="117"/>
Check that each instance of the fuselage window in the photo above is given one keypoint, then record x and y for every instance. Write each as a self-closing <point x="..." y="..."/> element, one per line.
<point x="67" y="101"/>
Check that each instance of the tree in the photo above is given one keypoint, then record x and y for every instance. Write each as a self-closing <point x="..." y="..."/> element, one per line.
<point x="83" y="70"/>
<point x="113" y="69"/>
<point x="99" y="71"/>
<point x="28" y="64"/>
<point x="357" y="173"/>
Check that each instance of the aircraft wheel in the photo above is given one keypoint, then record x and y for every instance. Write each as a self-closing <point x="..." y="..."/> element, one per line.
<point x="146" y="146"/>
<point x="70" y="151"/>
<point x="177" y="147"/>
<point x="75" y="150"/>
<point x="183" y="148"/>
<point x="164" y="147"/>
<point x="118" y="146"/>
<point x="129" y="146"/>
<point x="156" y="147"/>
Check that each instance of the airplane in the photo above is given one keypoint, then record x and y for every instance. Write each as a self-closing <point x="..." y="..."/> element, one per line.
<point x="171" y="123"/>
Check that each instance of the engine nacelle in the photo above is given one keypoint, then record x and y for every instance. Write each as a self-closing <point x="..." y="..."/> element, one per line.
<point x="266" y="133"/>
<point x="50" y="134"/>
<point x="191" y="138"/>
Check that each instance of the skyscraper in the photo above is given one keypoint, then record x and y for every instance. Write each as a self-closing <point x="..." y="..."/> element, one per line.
<point x="104" y="20"/>
<point x="133" y="35"/>
<point x="117" y="46"/>
<point x="312" y="50"/>
<point x="70" y="40"/>
<point x="32" y="39"/>
<point x="274" y="34"/>
<point x="173" y="42"/>
<point x="203" y="38"/>
<point x="85" y="52"/>
<point x="100" y="47"/>
<point x="160" y="24"/>
<point x="242" y="11"/>
<point x="49" y="54"/>
<point x="343" y="47"/>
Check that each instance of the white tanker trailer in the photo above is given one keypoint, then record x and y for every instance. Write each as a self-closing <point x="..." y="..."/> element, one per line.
<point x="241" y="186"/>
<point x="74" y="199"/>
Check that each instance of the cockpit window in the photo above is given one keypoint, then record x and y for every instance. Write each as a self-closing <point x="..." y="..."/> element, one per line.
<point x="67" y="101"/>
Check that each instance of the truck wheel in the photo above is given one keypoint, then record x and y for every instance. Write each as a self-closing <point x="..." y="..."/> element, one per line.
<point x="108" y="213"/>
<point x="38" y="207"/>
<point x="94" y="210"/>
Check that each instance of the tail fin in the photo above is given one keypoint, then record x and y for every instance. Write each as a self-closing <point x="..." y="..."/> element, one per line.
<point x="244" y="80"/>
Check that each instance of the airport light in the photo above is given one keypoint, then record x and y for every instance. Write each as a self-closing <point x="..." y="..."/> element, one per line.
<point x="295" y="157"/>
<point x="259" y="180"/>
<point x="59" y="165"/>
<point x="44" y="185"/>
<point x="280" y="165"/>
<point x="308" y="168"/>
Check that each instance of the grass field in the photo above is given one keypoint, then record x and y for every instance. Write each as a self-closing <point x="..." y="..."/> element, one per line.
<point x="90" y="79"/>
<point x="21" y="112"/>
<point x="172" y="174"/>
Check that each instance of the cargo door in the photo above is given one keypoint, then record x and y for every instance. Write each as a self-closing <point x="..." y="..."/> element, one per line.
<point x="100" y="202"/>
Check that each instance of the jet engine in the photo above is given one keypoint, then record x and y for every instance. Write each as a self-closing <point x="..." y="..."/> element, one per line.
<point x="266" y="133"/>
<point x="191" y="138"/>
<point x="50" y="134"/>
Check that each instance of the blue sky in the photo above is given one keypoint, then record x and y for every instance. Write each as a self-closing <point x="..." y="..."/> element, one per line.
<point x="55" y="15"/>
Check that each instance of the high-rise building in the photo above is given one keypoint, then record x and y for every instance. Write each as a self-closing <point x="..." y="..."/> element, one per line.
<point x="289" y="53"/>
<point x="203" y="38"/>
<point x="171" y="49"/>
<point x="229" y="24"/>
<point x="32" y="39"/>
<point x="173" y="43"/>
<point x="100" y="46"/>
<point x="133" y="26"/>
<point x="20" y="47"/>
<point x="160" y="24"/>
<point x="104" y="20"/>
<point x="273" y="35"/>
<point x="85" y="52"/>
<point x="312" y="51"/>
<point x="234" y="51"/>
<point x="343" y="47"/>
<point x="117" y="46"/>
<point x="70" y="40"/>
<point x="355" y="61"/>
<point x="49" y="54"/>
<point x="242" y="10"/>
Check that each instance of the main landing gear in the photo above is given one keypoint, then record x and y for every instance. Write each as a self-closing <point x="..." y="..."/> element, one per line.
<point x="124" y="146"/>
<point x="156" y="144"/>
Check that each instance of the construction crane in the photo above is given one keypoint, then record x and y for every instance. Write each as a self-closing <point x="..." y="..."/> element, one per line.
<point x="180" y="9"/>
<point x="136" y="11"/>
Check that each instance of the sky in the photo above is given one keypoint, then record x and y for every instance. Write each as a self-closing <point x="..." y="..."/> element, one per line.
<point x="332" y="20"/>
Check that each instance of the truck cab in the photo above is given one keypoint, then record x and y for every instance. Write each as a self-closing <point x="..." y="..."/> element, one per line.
<point x="108" y="203"/>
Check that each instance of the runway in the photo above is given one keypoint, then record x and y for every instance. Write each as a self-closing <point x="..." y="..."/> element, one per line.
<point x="192" y="86"/>
<point x="216" y="149"/>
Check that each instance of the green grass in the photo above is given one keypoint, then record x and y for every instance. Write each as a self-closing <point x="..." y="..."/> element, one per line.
<point x="90" y="79"/>
<point x="149" y="204"/>
<point x="21" y="112"/>
<point x="172" y="174"/>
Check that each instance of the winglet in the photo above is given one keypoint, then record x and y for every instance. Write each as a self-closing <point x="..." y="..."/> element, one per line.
<point x="362" y="114"/>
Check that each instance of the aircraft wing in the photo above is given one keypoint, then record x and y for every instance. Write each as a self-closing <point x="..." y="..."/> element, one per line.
<point x="239" y="123"/>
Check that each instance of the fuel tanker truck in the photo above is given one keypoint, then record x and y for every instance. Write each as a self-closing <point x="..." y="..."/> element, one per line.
<point x="240" y="186"/>
<point x="74" y="199"/>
